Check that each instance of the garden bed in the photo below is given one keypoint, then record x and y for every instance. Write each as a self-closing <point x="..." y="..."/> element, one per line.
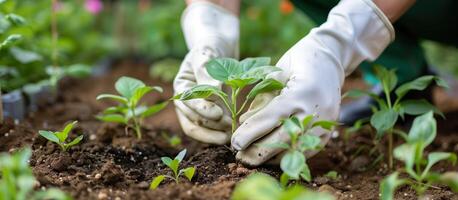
<point x="109" y="164"/>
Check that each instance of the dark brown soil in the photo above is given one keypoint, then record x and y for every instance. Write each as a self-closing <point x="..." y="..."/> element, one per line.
<point x="110" y="164"/>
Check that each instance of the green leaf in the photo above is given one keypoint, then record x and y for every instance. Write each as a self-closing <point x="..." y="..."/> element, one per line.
<point x="387" y="77"/>
<point x="78" y="71"/>
<point x="407" y="154"/>
<point x="15" y="19"/>
<point x="284" y="179"/>
<point x="154" y="109"/>
<point x="305" y="173"/>
<point x="189" y="172"/>
<point x="174" y="166"/>
<point x="114" y="110"/>
<point x="292" y="126"/>
<point x="328" y="125"/>
<point x="249" y="63"/>
<point x="235" y="82"/>
<point x="266" y="85"/>
<point x="423" y="129"/>
<point x="139" y="93"/>
<point x="24" y="56"/>
<point x="332" y="175"/>
<point x="167" y="161"/>
<point x="222" y="68"/>
<point x="10" y="40"/>
<point x="49" y="136"/>
<point x="200" y="92"/>
<point x="120" y="99"/>
<point x="418" y="84"/>
<point x="75" y="141"/>
<point x="181" y="155"/>
<point x="435" y="157"/>
<point x="389" y="185"/>
<point x="309" y="142"/>
<point x="257" y="186"/>
<point x="156" y="181"/>
<point x="306" y="121"/>
<point x="64" y="133"/>
<point x="383" y="120"/>
<point x="126" y="86"/>
<point x="356" y="93"/>
<point x="293" y="163"/>
<point x="450" y="179"/>
<point x="259" y="72"/>
<point x="117" y="118"/>
<point x="418" y="107"/>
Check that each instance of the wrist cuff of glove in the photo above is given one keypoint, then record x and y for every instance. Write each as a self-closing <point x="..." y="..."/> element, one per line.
<point x="206" y="24"/>
<point x="382" y="17"/>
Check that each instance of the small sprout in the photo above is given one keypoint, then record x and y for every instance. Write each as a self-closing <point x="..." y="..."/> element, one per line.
<point x="236" y="75"/>
<point x="332" y="175"/>
<point x="387" y="113"/>
<point x="259" y="186"/>
<point x="129" y="112"/>
<point x="417" y="165"/>
<point x="60" y="137"/>
<point x="173" y="141"/>
<point x="17" y="180"/>
<point x="174" y="166"/>
<point x="293" y="163"/>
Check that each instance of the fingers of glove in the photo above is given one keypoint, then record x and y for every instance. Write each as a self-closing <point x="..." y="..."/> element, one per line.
<point x="259" y="102"/>
<point x="258" y="153"/>
<point x="200" y="133"/>
<point x="205" y="108"/>
<point x="223" y="124"/>
<point x="262" y="122"/>
<point x="200" y="56"/>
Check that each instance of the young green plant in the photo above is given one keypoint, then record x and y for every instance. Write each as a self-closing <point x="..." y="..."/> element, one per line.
<point x="60" y="137"/>
<point x="173" y="165"/>
<point x="293" y="163"/>
<point x="387" y="112"/>
<point x="129" y="112"/>
<point x="17" y="181"/>
<point x="416" y="166"/>
<point x="259" y="186"/>
<point x="237" y="76"/>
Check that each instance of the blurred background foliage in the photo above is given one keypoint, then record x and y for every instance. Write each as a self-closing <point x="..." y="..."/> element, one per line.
<point x="90" y="30"/>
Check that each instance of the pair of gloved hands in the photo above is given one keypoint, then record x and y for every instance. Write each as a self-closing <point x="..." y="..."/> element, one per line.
<point x="313" y="71"/>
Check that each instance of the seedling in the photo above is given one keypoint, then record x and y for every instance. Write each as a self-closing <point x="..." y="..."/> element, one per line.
<point x="129" y="112"/>
<point x="173" y="165"/>
<point x="293" y="163"/>
<point x="236" y="75"/>
<point x="173" y="140"/>
<point x="17" y="181"/>
<point x="388" y="111"/>
<point x="60" y="137"/>
<point x="259" y="186"/>
<point x="416" y="166"/>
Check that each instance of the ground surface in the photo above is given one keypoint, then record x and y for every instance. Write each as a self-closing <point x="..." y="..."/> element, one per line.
<point x="112" y="165"/>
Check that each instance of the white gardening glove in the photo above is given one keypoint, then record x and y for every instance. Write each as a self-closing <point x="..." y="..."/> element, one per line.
<point x="210" y="31"/>
<point x="313" y="72"/>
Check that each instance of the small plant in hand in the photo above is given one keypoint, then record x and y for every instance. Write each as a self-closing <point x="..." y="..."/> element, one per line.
<point x="416" y="166"/>
<point x="129" y="112"/>
<point x="17" y="181"/>
<point x="387" y="113"/>
<point x="60" y="137"/>
<point x="259" y="186"/>
<point x="237" y="76"/>
<point x="174" y="166"/>
<point x="293" y="163"/>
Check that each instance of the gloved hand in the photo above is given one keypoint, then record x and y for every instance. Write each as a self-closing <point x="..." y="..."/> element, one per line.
<point x="313" y="72"/>
<point x="210" y="31"/>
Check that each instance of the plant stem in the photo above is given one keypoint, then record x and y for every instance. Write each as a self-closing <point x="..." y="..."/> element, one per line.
<point x="390" y="149"/>
<point x="234" y="94"/>
<point x="136" y="124"/>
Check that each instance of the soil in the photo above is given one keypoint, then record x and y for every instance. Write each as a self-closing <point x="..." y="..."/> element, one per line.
<point x="110" y="164"/>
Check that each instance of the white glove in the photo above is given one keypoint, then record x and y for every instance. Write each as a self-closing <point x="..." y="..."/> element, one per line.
<point x="313" y="72"/>
<point x="210" y="31"/>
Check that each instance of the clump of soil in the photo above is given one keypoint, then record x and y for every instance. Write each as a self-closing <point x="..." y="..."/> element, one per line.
<point x="111" y="163"/>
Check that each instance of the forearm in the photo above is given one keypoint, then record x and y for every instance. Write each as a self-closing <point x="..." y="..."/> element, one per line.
<point x="394" y="9"/>
<point x="231" y="5"/>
